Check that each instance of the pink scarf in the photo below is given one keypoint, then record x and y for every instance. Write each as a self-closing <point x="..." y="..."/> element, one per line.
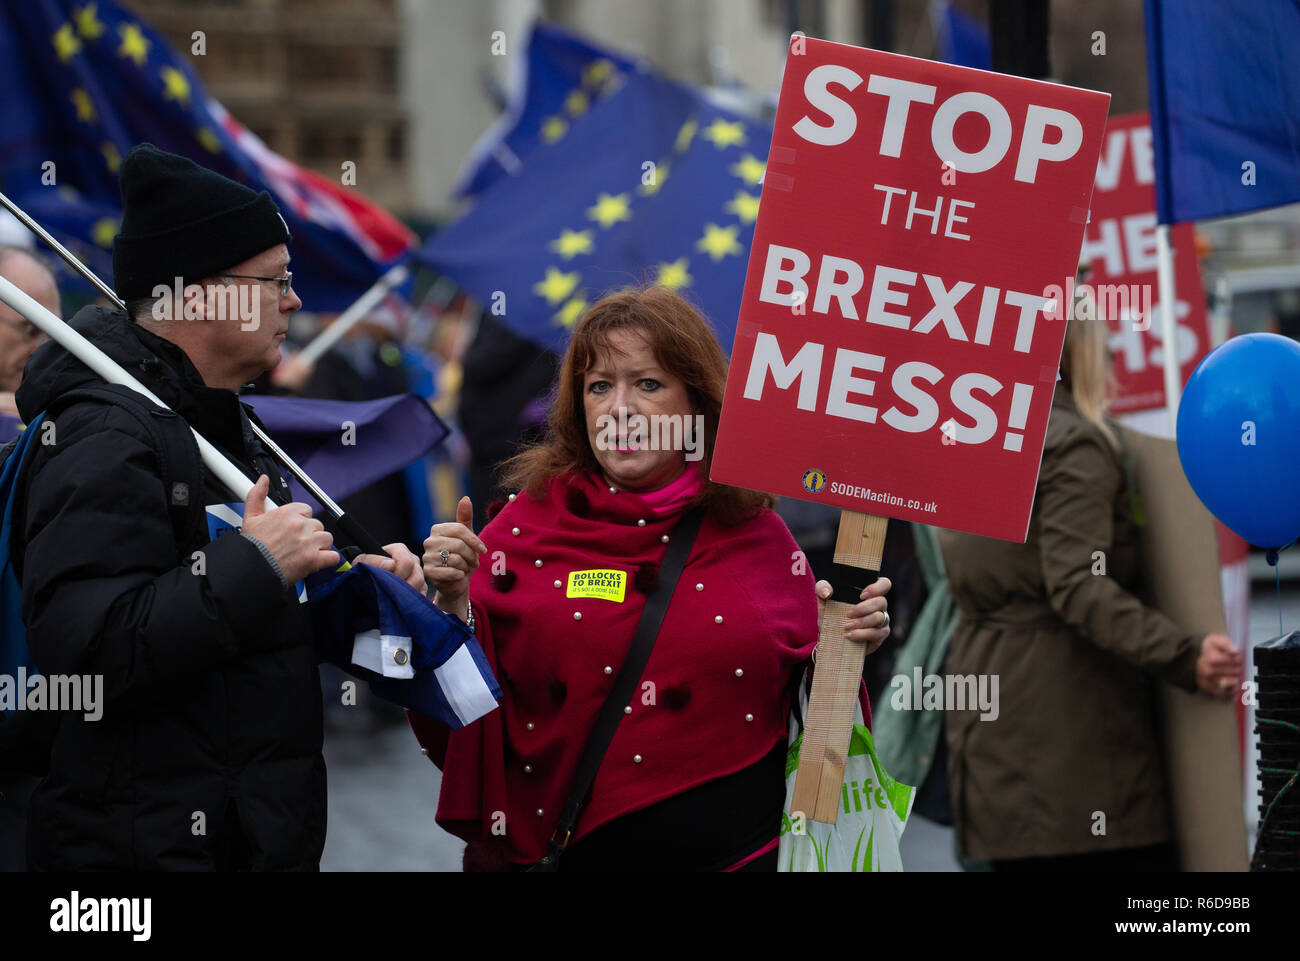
<point x="674" y="496"/>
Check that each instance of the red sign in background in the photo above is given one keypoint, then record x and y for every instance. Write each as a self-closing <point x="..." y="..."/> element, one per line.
<point x="1120" y="241"/>
<point x="897" y="350"/>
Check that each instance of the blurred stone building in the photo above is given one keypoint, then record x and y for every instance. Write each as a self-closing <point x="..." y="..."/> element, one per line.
<point x="721" y="43"/>
<point x="404" y="88"/>
<point x="317" y="80"/>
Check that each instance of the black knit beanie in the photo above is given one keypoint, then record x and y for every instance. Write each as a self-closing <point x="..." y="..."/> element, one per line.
<point x="183" y="220"/>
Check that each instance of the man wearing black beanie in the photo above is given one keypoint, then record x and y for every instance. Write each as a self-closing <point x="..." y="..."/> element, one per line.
<point x="206" y="754"/>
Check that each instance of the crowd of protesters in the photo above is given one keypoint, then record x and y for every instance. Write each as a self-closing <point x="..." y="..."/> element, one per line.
<point x="213" y="697"/>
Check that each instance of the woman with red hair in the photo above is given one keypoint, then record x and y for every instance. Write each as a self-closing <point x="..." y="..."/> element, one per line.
<point x="694" y="776"/>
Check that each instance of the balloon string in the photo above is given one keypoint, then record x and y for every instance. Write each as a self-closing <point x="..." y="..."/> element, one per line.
<point x="1277" y="576"/>
<point x="1272" y="558"/>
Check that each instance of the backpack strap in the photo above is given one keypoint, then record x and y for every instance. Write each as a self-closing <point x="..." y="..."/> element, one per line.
<point x="179" y="461"/>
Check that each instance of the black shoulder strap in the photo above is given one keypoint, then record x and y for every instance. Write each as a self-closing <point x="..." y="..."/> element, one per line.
<point x="625" y="684"/>
<point x="179" y="461"/>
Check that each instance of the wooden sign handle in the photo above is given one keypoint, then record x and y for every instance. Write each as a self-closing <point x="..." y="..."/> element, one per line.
<point x="828" y="726"/>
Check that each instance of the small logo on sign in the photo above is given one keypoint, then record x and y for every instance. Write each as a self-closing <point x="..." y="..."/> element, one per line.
<point x="814" y="481"/>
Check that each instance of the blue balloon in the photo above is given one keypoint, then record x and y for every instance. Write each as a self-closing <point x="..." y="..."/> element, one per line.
<point x="1239" y="436"/>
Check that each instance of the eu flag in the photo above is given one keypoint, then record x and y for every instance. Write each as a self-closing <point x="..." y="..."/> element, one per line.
<point x="1225" y="105"/>
<point x="85" y="81"/>
<point x="563" y="74"/>
<point x="651" y="183"/>
<point x="348" y="445"/>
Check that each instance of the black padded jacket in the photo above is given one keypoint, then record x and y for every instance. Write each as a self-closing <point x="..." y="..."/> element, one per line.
<point x="208" y="753"/>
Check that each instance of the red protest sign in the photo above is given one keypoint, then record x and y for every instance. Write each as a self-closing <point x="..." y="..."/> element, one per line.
<point x="1120" y="241"/>
<point x="892" y="355"/>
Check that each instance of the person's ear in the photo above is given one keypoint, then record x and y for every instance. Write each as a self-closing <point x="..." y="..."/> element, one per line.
<point x="214" y="290"/>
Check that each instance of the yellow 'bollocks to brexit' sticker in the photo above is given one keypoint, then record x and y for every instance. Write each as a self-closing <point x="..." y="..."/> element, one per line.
<point x="603" y="585"/>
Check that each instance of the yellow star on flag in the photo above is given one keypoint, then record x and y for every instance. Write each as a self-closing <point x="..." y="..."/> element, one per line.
<point x="609" y="210"/>
<point x="104" y="231"/>
<point x="176" y="86"/>
<point x="557" y="285"/>
<point x="674" y="275"/>
<point x="744" y="206"/>
<point x="725" y="133"/>
<point x="209" y="140"/>
<point x="66" y="44"/>
<point x="111" y="156"/>
<point x="553" y="128"/>
<point x="685" y="135"/>
<point x="576" y="103"/>
<point x="749" y="169"/>
<point x="597" y="74"/>
<point x="569" y="314"/>
<point x="718" y="242"/>
<point x="87" y="24"/>
<point x="81" y="100"/>
<point x="662" y="170"/>
<point x="134" y="43"/>
<point x="570" y="243"/>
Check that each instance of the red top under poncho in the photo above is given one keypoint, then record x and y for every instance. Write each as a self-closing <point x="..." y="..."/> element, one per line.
<point x="713" y="698"/>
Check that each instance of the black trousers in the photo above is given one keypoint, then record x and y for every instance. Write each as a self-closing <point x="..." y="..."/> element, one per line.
<point x="15" y="792"/>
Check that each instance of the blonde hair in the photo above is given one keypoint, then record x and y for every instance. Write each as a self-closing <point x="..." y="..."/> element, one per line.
<point x="1085" y="369"/>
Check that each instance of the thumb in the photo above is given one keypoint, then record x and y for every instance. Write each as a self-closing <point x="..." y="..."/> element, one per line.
<point x="1222" y="644"/>
<point x="255" y="502"/>
<point x="465" y="512"/>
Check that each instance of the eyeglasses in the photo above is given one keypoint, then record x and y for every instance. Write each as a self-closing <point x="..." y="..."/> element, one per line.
<point x="285" y="282"/>
<point x="26" y="329"/>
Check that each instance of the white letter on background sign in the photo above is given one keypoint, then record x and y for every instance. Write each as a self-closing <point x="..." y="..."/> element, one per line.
<point x="843" y="382"/>
<point x="843" y="120"/>
<point x="1032" y="148"/>
<point x="882" y="296"/>
<point x="901" y="93"/>
<point x="775" y="271"/>
<point x="963" y="398"/>
<point x="828" y="286"/>
<point x="905" y="389"/>
<point x="946" y="117"/>
<point x="767" y="357"/>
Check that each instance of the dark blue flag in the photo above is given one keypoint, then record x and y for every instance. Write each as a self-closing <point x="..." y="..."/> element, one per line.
<point x="10" y="427"/>
<point x="348" y="445"/>
<point x="83" y="82"/>
<point x="377" y="627"/>
<point x="652" y="184"/>
<point x="1225" y="105"/>
<point x="562" y="75"/>
<point x="962" y="39"/>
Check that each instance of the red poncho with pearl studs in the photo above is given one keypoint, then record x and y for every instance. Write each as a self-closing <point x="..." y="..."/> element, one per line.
<point x="557" y="598"/>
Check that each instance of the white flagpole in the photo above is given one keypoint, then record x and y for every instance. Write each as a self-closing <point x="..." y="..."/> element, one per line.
<point x="346" y="320"/>
<point x="111" y="371"/>
<point x="343" y="521"/>
<point x="1168" y="324"/>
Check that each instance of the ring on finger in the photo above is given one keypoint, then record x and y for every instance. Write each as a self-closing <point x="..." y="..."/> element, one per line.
<point x="444" y="555"/>
<point x="885" y="623"/>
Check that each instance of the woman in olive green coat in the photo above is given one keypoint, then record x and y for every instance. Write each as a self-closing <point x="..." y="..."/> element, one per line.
<point x="1068" y="775"/>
